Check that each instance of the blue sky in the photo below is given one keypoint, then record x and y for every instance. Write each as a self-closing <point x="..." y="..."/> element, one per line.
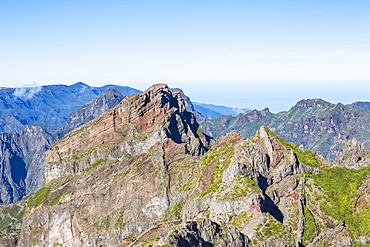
<point x="238" y="53"/>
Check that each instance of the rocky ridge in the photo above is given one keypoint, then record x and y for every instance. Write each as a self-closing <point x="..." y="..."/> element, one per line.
<point x="145" y="174"/>
<point x="353" y="156"/>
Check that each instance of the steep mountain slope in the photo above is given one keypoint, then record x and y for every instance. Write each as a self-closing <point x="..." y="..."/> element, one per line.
<point x="49" y="104"/>
<point x="22" y="154"/>
<point x="111" y="178"/>
<point x="144" y="174"/>
<point x="102" y="103"/>
<point x="311" y="124"/>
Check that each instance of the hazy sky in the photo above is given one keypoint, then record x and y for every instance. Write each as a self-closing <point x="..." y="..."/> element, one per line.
<point x="237" y="53"/>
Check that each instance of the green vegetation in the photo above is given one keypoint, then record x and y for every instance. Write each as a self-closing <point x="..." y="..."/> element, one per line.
<point x="223" y="160"/>
<point x="105" y="223"/>
<point x="220" y="158"/>
<point x="309" y="225"/>
<point x="307" y="158"/>
<point x="5" y="224"/>
<point x="212" y="188"/>
<point x="150" y="243"/>
<point x="281" y="140"/>
<point x="176" y="209"/>
<point x="39" y="197"/>
<point x="139" y="137"/>
<point x="119" y="221"/>
<point x="15" y="212"/>
<point x="359" y="244"/>
<point x="57" y="197"/>
<point x="240" y="220"/>
<point x="95" y="164"/>
<point x="341" y="185"/>
<point x="275" y="231"/>
<point x="241" y="187"/>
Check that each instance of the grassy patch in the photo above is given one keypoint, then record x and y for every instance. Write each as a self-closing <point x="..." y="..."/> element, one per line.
<point x="57" y="197"/>
<point x="240" y="188"/>
<point x="176" y="209"/>
<point x="95" y="164"/>
<point x="309" y="225"/>
<point x="5" y="224"/>
<point x="274" y="230"/>
<point x="14" y="211"/>
<point x="212" y="188"/>
<point x="341" y="185"/>
<point x="240" y="220"/>
<point x="39" y="197"/>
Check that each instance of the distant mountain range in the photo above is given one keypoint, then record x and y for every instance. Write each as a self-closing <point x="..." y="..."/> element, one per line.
<point x="50" y="105"/>
<point x="312" y="124"/>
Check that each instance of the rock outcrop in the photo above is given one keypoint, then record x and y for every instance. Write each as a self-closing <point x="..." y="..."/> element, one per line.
<point x="353" y="156"/>
<point x="204" y="232"/>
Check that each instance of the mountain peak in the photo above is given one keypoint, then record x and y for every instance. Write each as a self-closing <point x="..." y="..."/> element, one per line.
<point x="80" y="84"/>
<point x="310" y="103"/>
<point x="136" y="123"/>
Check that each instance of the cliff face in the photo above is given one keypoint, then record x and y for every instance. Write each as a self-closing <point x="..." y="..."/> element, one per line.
<point x="312" y="124"/>
<point x="144" y="174"/>
<point x="21" y="162"/>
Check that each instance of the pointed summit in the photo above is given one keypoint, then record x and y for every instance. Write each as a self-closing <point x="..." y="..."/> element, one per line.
<point x="136" y="123"/>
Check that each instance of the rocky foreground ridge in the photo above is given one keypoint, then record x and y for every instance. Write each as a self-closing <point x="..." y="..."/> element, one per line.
<point x="145" y="174"/>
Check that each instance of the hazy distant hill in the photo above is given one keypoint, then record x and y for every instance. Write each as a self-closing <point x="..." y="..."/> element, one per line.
<point x="214" y="111"/>
<point x="363" y="104"/>
<point x="49" y="104"/>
